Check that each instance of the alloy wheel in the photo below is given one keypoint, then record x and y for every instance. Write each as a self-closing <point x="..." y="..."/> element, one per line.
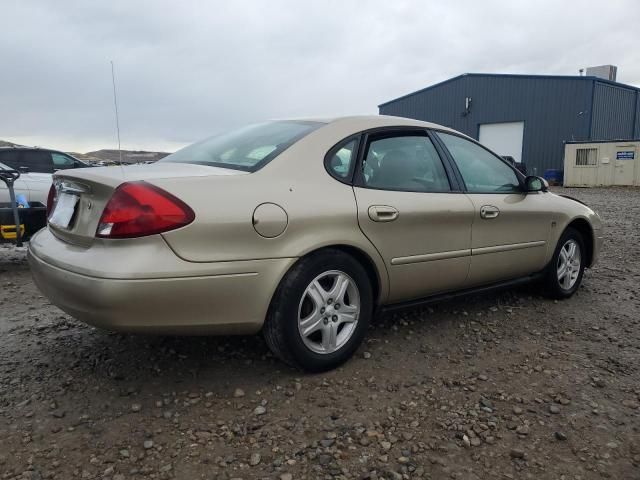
<point x="328" y="312"/>
<point x="569" y="261"/>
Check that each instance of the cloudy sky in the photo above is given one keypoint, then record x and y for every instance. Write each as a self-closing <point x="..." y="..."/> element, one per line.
<point x="187" y="69"/>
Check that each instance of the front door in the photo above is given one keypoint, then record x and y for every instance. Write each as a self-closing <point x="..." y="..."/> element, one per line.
<point x="408" y="209"/>
<point x="624" y="167"/>
<point x="510" y="228"/>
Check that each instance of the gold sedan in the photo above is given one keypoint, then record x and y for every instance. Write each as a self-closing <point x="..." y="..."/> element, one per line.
<point x="303" y="229"/>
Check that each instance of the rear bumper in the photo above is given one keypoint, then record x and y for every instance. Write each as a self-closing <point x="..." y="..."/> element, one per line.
<point x="212" y="298"/>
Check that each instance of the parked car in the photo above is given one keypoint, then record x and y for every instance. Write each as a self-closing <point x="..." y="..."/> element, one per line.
<point x="36" y="166"/>
<point x="303" y="229"/>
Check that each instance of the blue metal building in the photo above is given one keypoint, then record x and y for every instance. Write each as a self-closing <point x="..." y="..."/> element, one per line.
<point x="527" y="116"/>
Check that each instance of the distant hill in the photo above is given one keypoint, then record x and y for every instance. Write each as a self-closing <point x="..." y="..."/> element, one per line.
<point x="109" y="155"/>
<point x="7" y="144"/>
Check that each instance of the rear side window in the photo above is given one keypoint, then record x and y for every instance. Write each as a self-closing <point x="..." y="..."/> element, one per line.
<point x="481" y="171"/>
<point x="11" y="158"/>
<point x="37" y="161"/>
<point x="248" y="148"/>
<point x="405" y="162"/>
<point x="341" y="158"/>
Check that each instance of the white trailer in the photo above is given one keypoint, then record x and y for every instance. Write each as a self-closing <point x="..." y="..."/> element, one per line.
<point x="612" y="162"/>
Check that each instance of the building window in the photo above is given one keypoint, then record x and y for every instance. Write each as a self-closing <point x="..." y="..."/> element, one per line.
<point x="586" y="157"/>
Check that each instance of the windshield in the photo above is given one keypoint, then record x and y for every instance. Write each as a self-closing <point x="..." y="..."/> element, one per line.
<point x="248" y="148"/>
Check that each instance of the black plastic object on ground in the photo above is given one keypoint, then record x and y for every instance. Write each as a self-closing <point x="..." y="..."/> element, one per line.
<point x="31" y="220"/>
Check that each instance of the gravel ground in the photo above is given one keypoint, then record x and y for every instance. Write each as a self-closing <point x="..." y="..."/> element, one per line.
<point x="504" y="385"/>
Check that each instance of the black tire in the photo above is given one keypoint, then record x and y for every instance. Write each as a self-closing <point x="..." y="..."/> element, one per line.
<point x="552" y="286"/>
<point x="281" y="325"/>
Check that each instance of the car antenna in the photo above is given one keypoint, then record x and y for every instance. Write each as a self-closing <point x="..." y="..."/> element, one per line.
<point x="115" y="104"/>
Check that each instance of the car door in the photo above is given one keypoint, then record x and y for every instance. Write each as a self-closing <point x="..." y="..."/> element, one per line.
<point x="510" y="228"/>
<point x="411" y="208"/>
<point x="39" y="165"/>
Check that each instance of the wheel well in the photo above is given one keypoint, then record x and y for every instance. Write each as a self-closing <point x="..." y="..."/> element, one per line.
<point x="364" y="260"/>
<point x="585" y="230"/>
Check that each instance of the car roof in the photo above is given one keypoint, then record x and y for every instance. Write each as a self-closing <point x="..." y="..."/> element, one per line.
<point x="22" y="147"/>
<point x="36" y="149"/>
<point x="373" y="120"/>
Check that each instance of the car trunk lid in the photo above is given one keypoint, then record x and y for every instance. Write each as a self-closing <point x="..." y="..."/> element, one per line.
<point x="84" y="193"/>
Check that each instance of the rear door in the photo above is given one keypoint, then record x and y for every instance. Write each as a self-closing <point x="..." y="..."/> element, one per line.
<point x="510" y="228"/>
<point x="38" y="174"/>
<point x="410" y="207"/>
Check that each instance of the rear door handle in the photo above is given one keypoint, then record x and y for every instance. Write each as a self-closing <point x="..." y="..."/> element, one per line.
<point x="383" y="213"/>
<point x="489" y="211"/>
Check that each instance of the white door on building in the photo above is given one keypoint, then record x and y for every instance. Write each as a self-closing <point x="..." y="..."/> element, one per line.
<point x="503" y="138"/>
<point x="624" y="167"/>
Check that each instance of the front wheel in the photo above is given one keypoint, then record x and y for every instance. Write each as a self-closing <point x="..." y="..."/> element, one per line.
<point x="320" y="312"/>
<point x="565" y="271"/>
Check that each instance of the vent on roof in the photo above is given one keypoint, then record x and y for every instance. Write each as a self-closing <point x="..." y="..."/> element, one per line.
<point x="608" y="72"/>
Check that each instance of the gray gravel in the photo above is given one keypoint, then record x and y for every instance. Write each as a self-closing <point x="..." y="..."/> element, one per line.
<point x="506" y="386"/>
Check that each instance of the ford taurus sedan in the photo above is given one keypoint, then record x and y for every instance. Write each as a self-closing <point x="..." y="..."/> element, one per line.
<point x="303" y="230"/>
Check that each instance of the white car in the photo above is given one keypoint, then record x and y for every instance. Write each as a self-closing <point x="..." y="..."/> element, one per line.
<point x="36" y="167"/>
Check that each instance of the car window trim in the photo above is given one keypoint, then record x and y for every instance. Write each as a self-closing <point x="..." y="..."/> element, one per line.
<point x="393" y="131"/>
<point x="519" y="175"/>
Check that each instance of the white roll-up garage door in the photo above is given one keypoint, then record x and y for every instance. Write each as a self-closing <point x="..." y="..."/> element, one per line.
<point x="503" y="138"/>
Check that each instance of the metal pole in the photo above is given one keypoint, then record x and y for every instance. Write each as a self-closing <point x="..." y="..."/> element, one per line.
<point x="115" y="104"/>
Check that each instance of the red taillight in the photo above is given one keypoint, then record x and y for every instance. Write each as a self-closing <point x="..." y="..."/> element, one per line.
<point x="138" y="209"/>
<point x="51" y="200"/>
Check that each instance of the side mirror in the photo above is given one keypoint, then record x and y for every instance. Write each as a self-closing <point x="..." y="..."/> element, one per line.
<point x="23" y="169"/>
<point x="535" y="184"/>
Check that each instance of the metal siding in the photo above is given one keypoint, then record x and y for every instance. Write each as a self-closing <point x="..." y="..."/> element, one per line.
<point x="509" y="99"/>
<point x="636" y="117"/>
<point x="613" y="112"/>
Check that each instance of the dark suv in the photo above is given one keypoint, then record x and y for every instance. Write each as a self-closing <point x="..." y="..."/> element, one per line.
<point x="38" y="160"/>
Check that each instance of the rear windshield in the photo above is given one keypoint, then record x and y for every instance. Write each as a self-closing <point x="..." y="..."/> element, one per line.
<point x="248" y="148"/>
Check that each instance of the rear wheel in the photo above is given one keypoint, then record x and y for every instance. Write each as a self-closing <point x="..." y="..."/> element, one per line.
<point x="565" y="271"/>
<point x="320" y="312"/>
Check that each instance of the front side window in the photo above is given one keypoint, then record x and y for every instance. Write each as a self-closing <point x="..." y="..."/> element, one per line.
<point x="481" y="171"/>
<point x="406" y="163"/>
<point x="61" y="162"/>
<point x="248" y="148"/>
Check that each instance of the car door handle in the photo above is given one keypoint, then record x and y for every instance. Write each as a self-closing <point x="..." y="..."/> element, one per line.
<point x="489" y="211"/>
<point x="383" y="213"/>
